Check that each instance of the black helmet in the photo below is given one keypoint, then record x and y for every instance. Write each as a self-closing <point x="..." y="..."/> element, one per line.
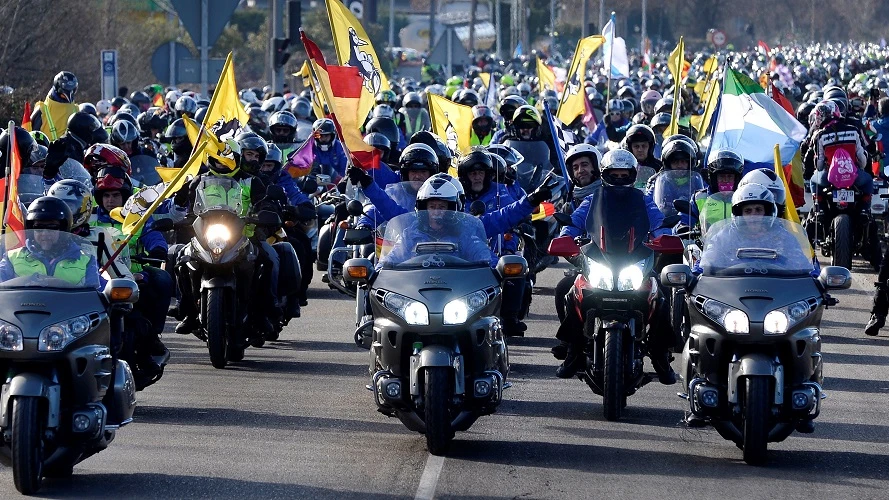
<point x="276" y="158"/>
<point x="477" y="160"/>
<point x="639" y="133"/>
<point x="175" y="130"/>
<point x="83" y="126"/>
<point x="508" y="105"/>
<point x="379" y="141"/>
<point x="301" y="108"/>
<point x="118" y="102"/>
<point x="140" y="99"/>
<point x="417" y="157"/>
<point x="283" y="127"/>
<point x="49" y="212"/>
<point x="385" y="126"/>
<point x="65" y="85"/>
<point x="676" y="148"/>
<point x="442" y="151"/>
<point x="509" y="155"/>
<point x="722" y="161"/>
<point x="88" y="107"/>
<point x="803" y="111"/>
<point x="468" y="97"/>
<point x="25" y="144"/>
<point x="151" y="120"/>
<point x="251" y="141"/>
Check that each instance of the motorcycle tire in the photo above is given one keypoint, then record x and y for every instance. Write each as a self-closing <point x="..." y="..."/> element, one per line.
<point x="756" y="417"/>
<point x="614" y="393"/>
<point x="27" y="445"/>
<point x="437" y="414"/>
<point x="841" y="227"/>
<point x="217" y="327"/>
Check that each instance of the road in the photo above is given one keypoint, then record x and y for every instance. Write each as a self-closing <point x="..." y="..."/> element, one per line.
<point x="294" y="420"/>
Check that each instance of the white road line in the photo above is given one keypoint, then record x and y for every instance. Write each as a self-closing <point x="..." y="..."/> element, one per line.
<point x="429" y="479"/>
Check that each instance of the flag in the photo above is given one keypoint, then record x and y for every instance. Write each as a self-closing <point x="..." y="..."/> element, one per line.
<point x="158" y="100"/>
<point x="451" y="121"/>
<point x="26" y="117"/>
<point x="790" y="206"/>
<point x="544" y="210"/>
<point x="589" y="116"/>
<point x="646" y="55"/>
<point x="214" y="144"/>
<point x="299" y="163"/>
<point x="710" y="106"/>
<point x="765" y="48"/>
<point x="12" y="211"/>
<point x="486" y="79"/>
<point x="225" y="104"/>
<point x="615" y="52"/>
<point x="778" y="96"/>
<point x="562" y="140"/>
<point x="674" y="64"/>
<point x="748" y="119"/>
<point x="492" y="92"/>
<point x="518" y="49"/>
<point x="354" y="48"/>
<point x="546" y="76"/>
<point x="573" y="96"/>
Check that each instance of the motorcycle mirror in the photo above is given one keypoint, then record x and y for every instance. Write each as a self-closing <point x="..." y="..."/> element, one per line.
<point x="835" y="277"/>
<point x="511" y="266"/>
<point x="563" y="246"/>
<point x="682" y="206"/>
<point x="309" y="186"/>
<point x="163" y="225"/>
<point x="121" y="291"/>
<point x="676" y="275"/>
<point x="477" y="208"/>
<point x="355" y="208"/>
<point x="671" y="220"/>
<point x="563" y="219"/>
<point x="358" y="270"/>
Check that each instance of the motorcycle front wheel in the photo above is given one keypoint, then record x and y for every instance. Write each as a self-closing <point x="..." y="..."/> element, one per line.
<point x="756" y="418"/>
<point x="614" y="393"/>
<point x="217" y="327"/>
<point x="27" y="445"/>
<point x="436" y="401"/>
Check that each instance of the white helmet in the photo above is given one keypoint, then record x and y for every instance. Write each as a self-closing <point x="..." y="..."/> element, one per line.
<point x="753" y="193"/>
<point x="438" y="188"/>
<point x="103" y="107"/>
<point x="461" y="200"/>
<point x="768" y="178"/>
<point x="618" y="159"/>
<point x="581" y="150"/>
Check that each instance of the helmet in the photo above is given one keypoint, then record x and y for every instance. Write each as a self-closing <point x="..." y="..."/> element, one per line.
<point x="186" y="106"/>
<point x="385" y="97"/>
<point x="40" y="138"/>
<point x="322" y="129"/>
<point x="724" y="161"/>
<point x="140" y="99"/>
<point x="48" y="212"/>
<point x="583" y="149"/>
<point x="482" y="120"/>
<point x="824" y="112"/>
<point x="411" y="100"/>
<point x="83" y="126"/>
<point x="629" y="105"/>
<point x="118" y="102"/>
<point x="649" y="100"/>
<point x="38" y="156"/>
<point x="442" y="151"/>
<point x="509" y="155"/>
<point x="273" y="104"/>
<point x="301" y="108"/>
<point x="123" y="132"/>
<point x="675" y="148"/>
<point x="379" y="141"/>
<point x="507" y="80"/>
<point x="468" y="97"/>
<point x="131" y="109"/>
<point x="768" y="178"/>
<point x="625" y="92"/>
<point x="99" y="156"/>
<point x="838" y="96"/>
<point x="524" y="89"/>
<point x="526" y="117"/>
<point x="151" y="120"/>
<point x="103" y="107"/>
<point x="664" y="105"/>
<point x="417" y="156"/>
<point x="78" y="198"/>
<point x="251" y="141"/>
<point x="385" y="126"/>
<point x="753" y="193"/>
<point x="478" y="160"/>
<point x="615" y="105"/>
<point x="660" y="120"/>
<point x="171" y="98"/>
<point x="383" y="111"/>
<point x="508" y="105"/>
<point x="283" y="127"/>
<point x="457" y="185"/>
<point x="438" y="188"/>
<point x="639" y="133"/>
<point x="112" y="179"/>
<point x="88" y="107"/>
<point x="65" y="85"/>
<point x="258" y="119"/>
<point x="803" y="111"/>
<point x="618" y="159"/>
<point x="123" y="115"/>
<point x="24" y="143"/>
<point x="276" y="158"/>
<point x="176" y="130"/>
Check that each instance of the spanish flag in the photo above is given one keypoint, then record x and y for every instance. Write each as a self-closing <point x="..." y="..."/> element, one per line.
<point x="451" y="121"/>
<point x="12" y="212"/>
<point x="574" y="95"/>
<point x="158" y="100"/>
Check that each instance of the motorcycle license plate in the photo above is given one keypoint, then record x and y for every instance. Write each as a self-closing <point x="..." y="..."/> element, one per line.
<point x="844" y="195"/>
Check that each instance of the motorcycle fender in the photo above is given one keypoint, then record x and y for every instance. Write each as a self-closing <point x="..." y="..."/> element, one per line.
<point x="751" y="365"/>
<point x="31" y="385"/>
<point x="228" y="281"/>
<point x="436" y="355"/>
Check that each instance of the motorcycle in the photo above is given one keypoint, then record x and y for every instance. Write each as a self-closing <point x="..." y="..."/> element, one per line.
<point x="225" y="259"/>
<point x="752" y="364"/>
<point x="439" y="360"/>
<point x="66" y="391"/>
<point x="617" y="295"/>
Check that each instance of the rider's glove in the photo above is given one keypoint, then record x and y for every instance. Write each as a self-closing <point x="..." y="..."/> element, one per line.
<point x="358" y="176"/>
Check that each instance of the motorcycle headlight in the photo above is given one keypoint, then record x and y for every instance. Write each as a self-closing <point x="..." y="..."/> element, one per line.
<point x="733" y="320"/>
<point x="217" y="236"/>
<point x="56" y="337"/>
<point x="10" y="337"/>
<point x="412" y="311"/>
<point x="457" y="311"/>
<point x="600" y="276"/>
<point x="631" y="277"/>
<point x="780" y="320"/>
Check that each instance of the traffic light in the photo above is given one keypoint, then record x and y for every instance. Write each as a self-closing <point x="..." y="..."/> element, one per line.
<point x="282" y="55"/>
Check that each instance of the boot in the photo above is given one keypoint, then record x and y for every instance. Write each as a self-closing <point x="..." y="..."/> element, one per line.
<point x="512" y="327"/>
<point x="876" y="322"/>
<point x="878" y="312"/>
<point x="560" y="351"/>
<point x="805" y="426"/>
<point x="188" y="325"/>
<point x="574" y="361"/>
<point x="661" y="363"/>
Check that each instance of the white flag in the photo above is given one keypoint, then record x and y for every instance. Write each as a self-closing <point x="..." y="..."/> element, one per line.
<point x="615" y="52"/>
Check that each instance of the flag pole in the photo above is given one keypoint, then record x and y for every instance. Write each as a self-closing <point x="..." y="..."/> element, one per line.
<point x="11" y="132"/>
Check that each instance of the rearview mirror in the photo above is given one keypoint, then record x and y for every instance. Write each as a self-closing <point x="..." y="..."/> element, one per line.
<point x="835" y="277"/>
<point x="121" y="291"/>
<point x="477" y="208"/>
<point x="358" y="236"/>
<point x="512" y="266"/>
<point x="676" y="275"/>
<point x="357" y="270"/>
<point x="355" y="208"/>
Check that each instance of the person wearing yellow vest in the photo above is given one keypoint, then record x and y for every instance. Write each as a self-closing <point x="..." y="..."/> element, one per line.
<point x="724" y="169"/>
<point x="482" y="126"/>
<point x="50" y="116"/>
<point x="46" y="252"/>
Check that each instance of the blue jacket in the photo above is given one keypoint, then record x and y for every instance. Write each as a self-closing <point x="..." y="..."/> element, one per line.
<point x="384" y="175"/>
<point x="386" y="204"/>
<point x="578" y="218"/>
<point x="515" y="190"/>
<point x="495" y="197"/>
<point x="333" y="160"/>
<point x="294" y="194"/>
<point x="881" y="126"/>
<point x="499" y="136"/>
<point x="73" y="252"/>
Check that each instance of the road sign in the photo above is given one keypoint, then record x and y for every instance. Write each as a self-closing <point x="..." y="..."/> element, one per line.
<point x="109" y="74"/>
<point x="219" y="12"/>
<point x="189" y="69"/>
<point x="458" y="54"/>
<point x="718" y="38"/>
<point x="160" y="62"/>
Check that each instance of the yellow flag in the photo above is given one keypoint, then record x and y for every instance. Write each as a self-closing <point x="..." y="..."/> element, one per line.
<point x="573" y="95"/>
<point x="710" y="65"/>
<point x="546" y="76"/>
<point x="486" y="79"/>
<point x="225" y="103"/>
<point x="789" y="206"/>
<point x="353" y="48"/>
<point x="709" y="109"/>
<point x="674" y="63"/>
<point x="212" y="145"/>
<point x="134" y="222"/>
<point x="451" y="121"/>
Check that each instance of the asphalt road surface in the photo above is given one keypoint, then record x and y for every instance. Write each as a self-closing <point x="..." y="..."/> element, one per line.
<point x="294" y="420"/>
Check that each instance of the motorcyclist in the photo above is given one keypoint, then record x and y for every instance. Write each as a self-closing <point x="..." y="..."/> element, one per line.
<point x="678" y="155"/>
<point x="835" y="134"/>
<point x="724" y="168"/>
<point x="613" y="126"/>
<point x="768" y="178"/>
<point x="83" y="130"/>
<point x="482" y="130"/>
<point x="51" y="115"/>
<point x="640" y="141"/>
<point x="415" y="116"/>
<point x="330" y="157"/>
<point x="180" y="145"/>
<point x="283" y="125"/>
<point x="125" y="136"/>
<point x="186" y="106"/>
<point x="505" y="168"/>
<point x="418" y="162"/>
<point x="618" y="171"/>
<point x="507" y="108"/>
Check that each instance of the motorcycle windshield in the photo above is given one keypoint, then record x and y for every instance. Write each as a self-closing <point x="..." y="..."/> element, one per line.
<point x="218" y="193"/>
<point x="642" y="175"/>
<point x="675" y="185"/>
<point x="618" y="222"/>
<point x="30" y="187"/>
<point x="434" y="239"/>
<point x="145" y="169"/>
<point x="535" y="163"/>
<point x="47" y="258"/>
<point x="72" y="169"/>
<point x="404" y="193"/>
<point x="756" y="246"/>
<point x="717" y="207"/>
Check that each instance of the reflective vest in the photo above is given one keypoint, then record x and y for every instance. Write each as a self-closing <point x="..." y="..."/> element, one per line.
<point x="24" y="263"/>
<point x="218" y="196"/>
<point x="484" y="141"/>
<point x="55" y="117"/>
<point x="712" y="210"/>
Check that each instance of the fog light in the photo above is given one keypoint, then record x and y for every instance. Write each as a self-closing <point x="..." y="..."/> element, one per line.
<point x="800" y="400"/>
<point x="709" y="397"/>
<point x="82" y="423"/>
<point x="393" y="389"/>
<point x="482" y="388"/>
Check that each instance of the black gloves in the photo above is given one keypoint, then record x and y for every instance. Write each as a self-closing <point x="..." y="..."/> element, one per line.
<point x="159" y="253"/>
<point x="358" y="176"/>
<point x="542" y="194"/>
<point x="181" y="196"/>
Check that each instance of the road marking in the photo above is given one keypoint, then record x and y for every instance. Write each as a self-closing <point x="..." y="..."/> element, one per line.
<point x="429" y="479"/>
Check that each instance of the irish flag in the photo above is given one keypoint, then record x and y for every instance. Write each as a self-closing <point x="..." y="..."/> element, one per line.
<point x="752" y="123"/>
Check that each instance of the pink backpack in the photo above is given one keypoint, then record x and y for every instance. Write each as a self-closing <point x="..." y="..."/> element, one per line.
<point x="842" y="172"/>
